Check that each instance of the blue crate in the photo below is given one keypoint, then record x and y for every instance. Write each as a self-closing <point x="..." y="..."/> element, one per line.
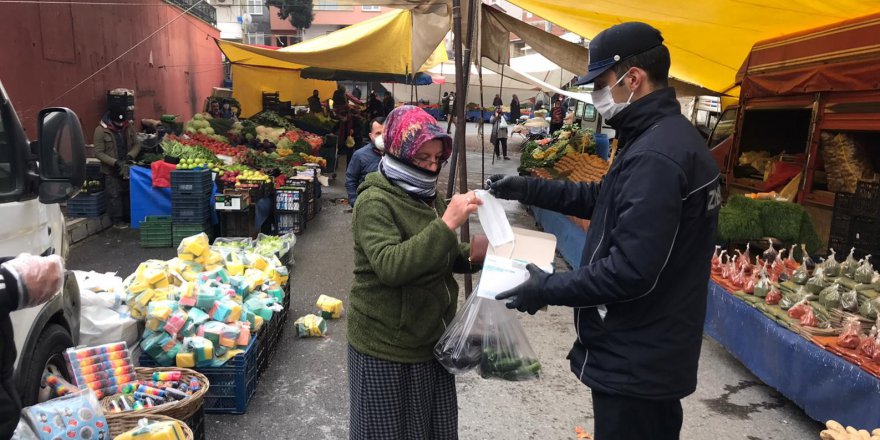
<point x="191" y="182"/>
<point x="232" y="385"/>
<point x="191" y="210"/>
<point x="87" y="205"/>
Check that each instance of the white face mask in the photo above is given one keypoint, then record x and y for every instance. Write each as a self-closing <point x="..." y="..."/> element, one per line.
<point x="379" y="143"/>
<point x="604" y="101"/>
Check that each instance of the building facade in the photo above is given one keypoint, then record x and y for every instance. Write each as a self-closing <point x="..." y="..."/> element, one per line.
<point x="329" y="16"/>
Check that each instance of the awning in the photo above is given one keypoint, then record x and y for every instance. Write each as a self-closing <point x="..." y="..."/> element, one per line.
<point x="708" y="40"/>
<point x="388" y="43"/>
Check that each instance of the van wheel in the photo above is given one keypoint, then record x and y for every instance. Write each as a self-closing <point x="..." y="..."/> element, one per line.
<point x="48" y="355"/>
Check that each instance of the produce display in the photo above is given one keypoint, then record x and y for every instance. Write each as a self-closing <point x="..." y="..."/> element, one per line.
<point x="581" y="167"/>
<point x="846" y="162"/>
<point x="835" y="303"/>
<point x="544" y="153"/>
<point x="202" y="307"/>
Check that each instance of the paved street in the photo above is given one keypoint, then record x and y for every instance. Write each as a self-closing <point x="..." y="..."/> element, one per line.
<point x="304" y="393"/>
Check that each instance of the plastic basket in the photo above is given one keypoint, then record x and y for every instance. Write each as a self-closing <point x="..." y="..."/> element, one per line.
<point x="232" y="385"/>
<point x="286" y="223"/>
<point x="238" y="224"/>
<point x="87" y="205"/>
<point x="191" y="182"/>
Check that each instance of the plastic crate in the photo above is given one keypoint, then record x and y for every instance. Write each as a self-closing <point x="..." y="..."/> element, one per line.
<point x="840" y="226"/>
<point x="864" y="233"/>
<point x="310" y="210"/>
<point x="87" y="205"/>
<point x="238" y="224"/>
<point x="287" y="199"/>
<point x="156" y="232"/>
<point x="868" y="191"/>
<point x="191" y="209"/>
<point x="232" y="385"/>
<point x="286" y="222"/>
<point x="196" y="423"/>
<point x="191" y="182"/>
<point x="183" y="230"/>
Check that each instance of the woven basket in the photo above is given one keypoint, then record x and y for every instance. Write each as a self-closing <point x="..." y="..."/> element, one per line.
<point x="181" y="410"/>
<point x="128" y="421"/>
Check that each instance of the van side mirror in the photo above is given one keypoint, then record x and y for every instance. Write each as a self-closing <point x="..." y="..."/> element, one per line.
<point x="62" y="154"/>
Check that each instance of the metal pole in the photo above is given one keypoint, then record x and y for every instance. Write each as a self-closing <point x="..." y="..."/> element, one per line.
<point x="458" y="108"/>
<point x="440" y="89"/>
<point x="462" y="76"/>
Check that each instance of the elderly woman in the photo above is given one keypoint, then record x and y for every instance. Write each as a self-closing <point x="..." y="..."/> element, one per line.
<point x="404" y="294"/>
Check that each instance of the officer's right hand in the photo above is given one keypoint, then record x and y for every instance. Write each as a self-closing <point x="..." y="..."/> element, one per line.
<point x="42" y="277"/>
<point x="508" y="187"/>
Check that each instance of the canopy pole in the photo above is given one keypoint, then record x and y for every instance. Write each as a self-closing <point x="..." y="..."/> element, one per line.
<point x="440" y="88"/>
<point x="462" y="64"/>
<point x="482" y="129"/>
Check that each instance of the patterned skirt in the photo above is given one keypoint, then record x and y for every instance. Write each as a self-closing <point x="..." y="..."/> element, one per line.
<point x="396" y="401"/>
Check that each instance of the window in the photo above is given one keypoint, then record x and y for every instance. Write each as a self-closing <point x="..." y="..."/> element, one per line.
<point x="8" y="147"/>
<point x="258" y="38"/>
<point x="329" y="5"/>
<point x="255" y="7"/>
<point x="371" y="8"/>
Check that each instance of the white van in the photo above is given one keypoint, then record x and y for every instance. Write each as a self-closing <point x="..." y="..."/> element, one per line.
<point x="34" y="178"/>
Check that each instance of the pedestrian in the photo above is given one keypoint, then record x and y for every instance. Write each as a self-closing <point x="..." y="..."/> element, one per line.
<point x="365" y="160"/>
<point x="450" y="115"/>
<point x="375" y="107"/>
<point x="356" y="92"/>
<point x="345" y="132"/>
<point x="388" y="103"/>
<point x="25" y="281"/>
<point x="498" y="138"/>
<point x="639" y="298"/>
<point x="117" y="148"/>
<point x="444" y="105"/>
<point x="339" y="98"/>
<point x="404" y="294"/>
<point x="515" y="112"/>
<point x="315" y="106"/>
<point x="497" y="102"/>
<point x="557" y="117"/>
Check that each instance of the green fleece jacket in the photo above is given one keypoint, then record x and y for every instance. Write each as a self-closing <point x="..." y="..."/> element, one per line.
<point x="403" y="294"/>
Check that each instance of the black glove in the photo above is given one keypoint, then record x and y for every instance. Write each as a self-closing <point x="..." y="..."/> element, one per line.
<point x="527" y="297"/>
<point x="128" y="159"/>
<point x="118" y="164"/>
<point x="508" y="187"/>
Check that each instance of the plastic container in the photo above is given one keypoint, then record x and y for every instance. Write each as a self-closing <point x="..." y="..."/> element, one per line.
<point x="232" y="385"/>
<point x="191" y="210"/>
<point x="156" y="232"/>
<point x="191" y="182"/>
<point x="603" y="146"/>
<point x="183" y="230"/>
<point x="87" y="205"/>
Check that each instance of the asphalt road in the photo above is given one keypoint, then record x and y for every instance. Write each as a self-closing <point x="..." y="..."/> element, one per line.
<point x="304" y="393"/>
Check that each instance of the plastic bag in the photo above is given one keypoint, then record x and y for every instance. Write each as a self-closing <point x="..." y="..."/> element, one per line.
<point x="790" y="261"/>
<point x="717" y="260"/>
<point x="865" y="271"/>
<point x="773" y="297"/>
<point x="790" y="299"/>
<point x="818" y="282"/>
<point x="147" y="429"/>
<point x="800" y="275"/>
<point x="486" y="336"/>
<point x="100" y="325"/>
<point x="739" y="280"/>
<point x="268" y="245"/>
<point x="749" y="285"/>
<point x="829" y="297"/>
<point x="76" y="415"/>
<point x="866" y="345"/>
<point x="763" y="286"/>
<point x="728" y="268"/>
<point x="800" y="309"/>
<point x="770" y="255"/>
<point x="242" y="243"/>
<point x="849" y="266"/>
<point x="849" y="337"/>
<point x="849" y="301"/>
<point x="869" y="308"/>
<point x="745" y="259"/>
<point x="809" y="317"/>
<point x="100" y="289"/>
<point x="832" y="267"/>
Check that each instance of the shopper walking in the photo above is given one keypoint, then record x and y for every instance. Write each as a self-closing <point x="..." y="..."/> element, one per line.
<point x="498" y="138"/>
<point x="375" y="107"/>
<point x="345" y="132"/>
<point x="339" y="98"/>
<point x="497" y="102"/>
<point x="515" y="112"/>
<point x="557" y="117"/>
<point x="116" y="147"/>
<point x="639" y="297"/>
<point x="450" y="113"/>
<point x="404" y="294"/>
<point x="365" y="160"/>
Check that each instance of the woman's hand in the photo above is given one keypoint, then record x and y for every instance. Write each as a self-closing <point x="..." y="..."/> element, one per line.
<point x="460" y="208"/>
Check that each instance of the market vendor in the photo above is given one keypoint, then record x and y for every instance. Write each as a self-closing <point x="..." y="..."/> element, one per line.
<point x="365" y="160"/>
<point x="116" y="147"/>
<point x="315" y="106"/>
<point x="25" y="281"/>
<point x="639" y="297"/>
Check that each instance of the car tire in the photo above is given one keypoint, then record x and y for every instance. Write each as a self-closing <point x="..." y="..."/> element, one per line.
<point x="50" y="347"/>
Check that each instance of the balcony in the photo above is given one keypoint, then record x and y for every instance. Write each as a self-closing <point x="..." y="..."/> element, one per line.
<point x="203" y="10"/>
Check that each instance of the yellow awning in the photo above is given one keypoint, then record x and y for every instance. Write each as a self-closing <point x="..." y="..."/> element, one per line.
<point x="709" y="39"/>
<point x="383" y="44"/>
<point x="252" y="81"/>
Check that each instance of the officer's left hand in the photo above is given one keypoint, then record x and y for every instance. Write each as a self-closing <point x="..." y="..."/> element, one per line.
<point x="529" y="296"/>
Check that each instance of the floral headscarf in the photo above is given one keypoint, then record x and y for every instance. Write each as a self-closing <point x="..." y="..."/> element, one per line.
<point x="408" y="128"/>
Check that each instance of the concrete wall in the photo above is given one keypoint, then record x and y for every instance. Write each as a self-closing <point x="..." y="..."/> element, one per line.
<point x="48" y="49"/>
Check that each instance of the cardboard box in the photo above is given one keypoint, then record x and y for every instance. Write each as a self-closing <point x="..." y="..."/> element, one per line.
<point x="231" y="201"/>
<point x="529" y="246"/>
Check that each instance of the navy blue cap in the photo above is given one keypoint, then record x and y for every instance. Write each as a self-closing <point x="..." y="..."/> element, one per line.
<point x="616" y="44"/>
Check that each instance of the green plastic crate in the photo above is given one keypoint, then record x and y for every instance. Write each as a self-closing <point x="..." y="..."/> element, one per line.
<point x="156" y="232"/>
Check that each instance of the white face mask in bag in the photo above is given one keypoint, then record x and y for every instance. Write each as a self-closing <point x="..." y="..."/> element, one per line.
<point x="604" y="101"/>
<point x="493" y="219"/>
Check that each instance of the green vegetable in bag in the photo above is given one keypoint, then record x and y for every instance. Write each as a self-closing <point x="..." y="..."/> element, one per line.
<point x="832" y="267"/>
<point x="762" y="287"/>
<point x="800" y="275"/>
<point x="865" y="272"/>
<point x="789" y="299"/>
<point x="849" y="266"/>
<point x="849" y="301"/>
<point x="818" y="282"/>
<point x="830" y="297"/>
<point x="869" y="308"/>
